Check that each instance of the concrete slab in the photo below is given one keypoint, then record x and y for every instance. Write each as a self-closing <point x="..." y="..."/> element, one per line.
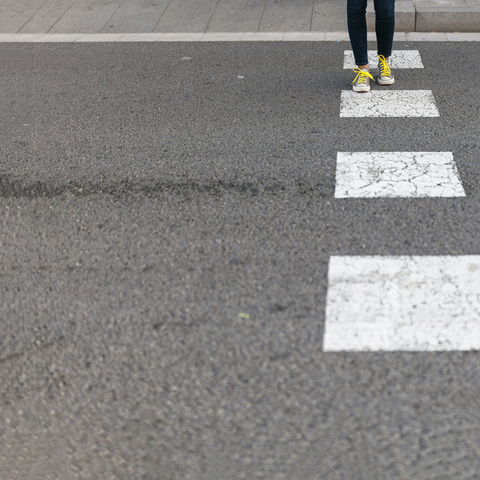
<point x="404" y="16"/>
<point x="140" y="16"/>
<point x="223" y="16"/>
<point x="59" y="37"/>
<point x="100" y="37"/>
<point x="448" y="19"/>
<point x="285" y="15"/>
<point x="141" y="37"/>
<point x="446" y="3"/>
<point x="225" y="37"/>
<point x="337" y="37"/>
<point x="181" y="37"/>
<point x="426" y="37"/>
<point x="222" y="37"/>
<point x="304" y="37"/>
<point x="399" y="37"/>
<point x="19" y="37"/>
<point x="329" y="16"/>
<point x="14" y="14"/>
<point x="86" y="16"/>
<point x="263" y="37"/>
<point x="463" y="37"/>
<point x="47" y="16"/>
<point x="237" y="16"/>
<point x="186" y="16"/>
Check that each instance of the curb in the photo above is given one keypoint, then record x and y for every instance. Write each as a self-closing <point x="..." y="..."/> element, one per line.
<point x="412" y="18"/>
<point x="405" y="16"/>
<point x="231" y="37"/>
<point x="447" y="19"/>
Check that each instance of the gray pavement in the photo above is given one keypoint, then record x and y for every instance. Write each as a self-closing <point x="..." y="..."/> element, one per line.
<point x="166" y="231"/>
<point x="142" y="16"/>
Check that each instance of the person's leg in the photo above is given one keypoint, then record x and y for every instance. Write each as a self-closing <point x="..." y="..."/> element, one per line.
<point x="357" y="30"/>
<point x="385" y="26"/>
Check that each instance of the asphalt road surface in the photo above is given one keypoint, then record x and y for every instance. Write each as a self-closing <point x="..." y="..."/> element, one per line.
<point x="167" y="219"/>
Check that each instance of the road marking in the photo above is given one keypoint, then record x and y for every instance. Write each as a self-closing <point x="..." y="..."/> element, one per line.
<point x="388" y="103"/>
<point x="397" y="174"/>
<point x="405" y="303"/>
<point x="400" y="59"/>
<point x="229" y="37"/>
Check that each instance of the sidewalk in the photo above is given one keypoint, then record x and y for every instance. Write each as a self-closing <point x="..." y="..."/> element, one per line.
<point x="209" y="16"/>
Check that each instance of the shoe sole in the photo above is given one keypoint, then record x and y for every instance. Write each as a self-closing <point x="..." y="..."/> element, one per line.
<point x="386" y="82"/>
<point x="361" y="89"/>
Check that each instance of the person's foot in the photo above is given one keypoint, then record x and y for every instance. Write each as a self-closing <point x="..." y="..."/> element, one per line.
<point x="385" y="76"/>
<point x="361" y="83"/>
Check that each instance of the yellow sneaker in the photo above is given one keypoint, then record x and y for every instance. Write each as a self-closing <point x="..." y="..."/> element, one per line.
<point x="361" y="83"/>
<point x="385" y="76"/>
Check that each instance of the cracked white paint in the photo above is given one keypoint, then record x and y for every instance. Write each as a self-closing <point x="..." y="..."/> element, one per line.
<point x="388" y="103"/>
<point x="400" y="59"/>
<point x="397" y="174"/>
<point x="405" y="303"/>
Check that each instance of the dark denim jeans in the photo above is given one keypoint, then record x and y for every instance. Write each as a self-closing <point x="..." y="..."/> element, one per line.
<point x="357" y="27"/>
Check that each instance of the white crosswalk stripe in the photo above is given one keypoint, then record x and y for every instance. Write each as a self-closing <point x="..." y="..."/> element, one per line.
<point x="400" y="59"/>
<point x="415" y="303"/>
<point x="388" y="103"/>
<point x="397" y="174"/>
<point x="399" y="303"/>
